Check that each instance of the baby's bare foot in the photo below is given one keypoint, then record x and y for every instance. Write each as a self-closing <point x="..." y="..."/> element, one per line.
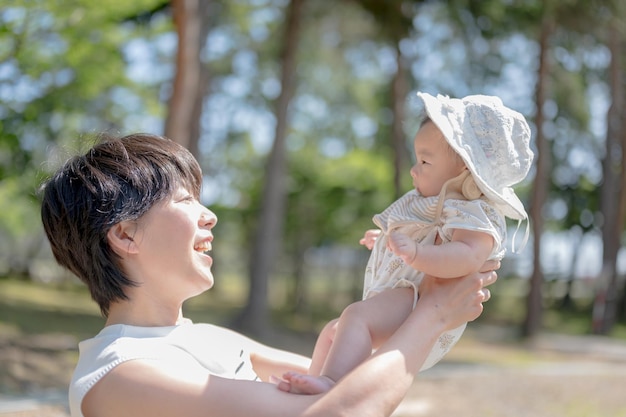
<point x="308" y="384"/>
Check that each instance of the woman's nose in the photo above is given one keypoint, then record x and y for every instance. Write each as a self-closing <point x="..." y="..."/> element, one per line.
<point x="208" y="218"/>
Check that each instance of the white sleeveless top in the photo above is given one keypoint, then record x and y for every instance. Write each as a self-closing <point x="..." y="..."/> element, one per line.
<point x="220" y="351"/>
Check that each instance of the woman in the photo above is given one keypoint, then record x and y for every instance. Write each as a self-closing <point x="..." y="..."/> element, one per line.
<point x="125" y="218"/>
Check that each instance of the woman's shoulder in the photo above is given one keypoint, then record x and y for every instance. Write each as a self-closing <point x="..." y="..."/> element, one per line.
<point x="213" y="349"/>
<point x="115" y="345"/>
<point x="119" y="343"/>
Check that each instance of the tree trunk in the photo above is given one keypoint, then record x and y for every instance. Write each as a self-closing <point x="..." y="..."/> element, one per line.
<point x="539" y="195"/>
<point x="612" y="194"/>
<point x="254" y="317"/>
<point x="621" y="50"/>
<point x="398" y="96"/>
<point x="298" y="297"/>
<point x="189" y="87"/>
<point x="576" y="236"/>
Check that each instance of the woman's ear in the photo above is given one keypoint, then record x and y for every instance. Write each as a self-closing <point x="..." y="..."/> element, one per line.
<point x="121" y="238"/>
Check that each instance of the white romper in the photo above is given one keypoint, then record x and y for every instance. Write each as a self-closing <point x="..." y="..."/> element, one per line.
<point x="416" y="216"/>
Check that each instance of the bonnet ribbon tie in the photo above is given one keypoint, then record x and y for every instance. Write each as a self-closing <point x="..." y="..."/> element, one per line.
<point x="526" y="235"/>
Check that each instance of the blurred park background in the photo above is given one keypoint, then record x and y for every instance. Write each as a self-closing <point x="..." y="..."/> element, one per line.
<point x="302" y="114"/>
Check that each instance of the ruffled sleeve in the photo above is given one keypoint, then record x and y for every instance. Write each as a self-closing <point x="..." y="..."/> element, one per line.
<point x="477" y="215"/>
<point x="409" y="209"/>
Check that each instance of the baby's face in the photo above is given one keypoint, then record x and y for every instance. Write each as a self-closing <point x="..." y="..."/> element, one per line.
<point x="435" y="161"/>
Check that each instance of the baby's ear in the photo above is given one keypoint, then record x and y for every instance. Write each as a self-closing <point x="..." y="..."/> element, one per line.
<point x="121" y="238"/>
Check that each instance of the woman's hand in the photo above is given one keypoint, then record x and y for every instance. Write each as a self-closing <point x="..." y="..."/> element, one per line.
<point x="458" y="300"/>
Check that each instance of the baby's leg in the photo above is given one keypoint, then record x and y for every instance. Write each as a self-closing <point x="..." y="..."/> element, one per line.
<point x="305" y="384"/>
<point x="322" y="346"/>
<point x="313" y="383"/>
<point x="363" y="326"/>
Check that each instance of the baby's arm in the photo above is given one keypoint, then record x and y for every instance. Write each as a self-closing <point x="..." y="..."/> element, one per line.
<point x="370" y="237"/>
<point x="464" y="254"/>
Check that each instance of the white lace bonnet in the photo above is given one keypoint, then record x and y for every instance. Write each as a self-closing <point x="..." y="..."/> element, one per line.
<point x="492" y="140"/>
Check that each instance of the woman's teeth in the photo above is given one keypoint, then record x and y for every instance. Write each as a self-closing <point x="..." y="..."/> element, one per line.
<point x="203" y="247"/>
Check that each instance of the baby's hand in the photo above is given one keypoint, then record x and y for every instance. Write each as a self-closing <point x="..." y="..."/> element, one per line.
<point x="369" y="238"/>
<point x="403" y="246"/>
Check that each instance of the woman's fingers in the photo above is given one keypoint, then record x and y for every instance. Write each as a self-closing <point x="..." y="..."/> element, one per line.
<point x="490" y="266"/>
<point x="489" y="278"/>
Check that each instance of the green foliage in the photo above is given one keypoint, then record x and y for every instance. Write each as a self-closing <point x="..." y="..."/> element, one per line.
<point x="394" y="17"/>
<point x="336" y="197"/>
<point x="17" y="207"/>
<point x="66" y="64"/>
<point x="70" y="67"/>
<point x="63" y="72"/>
<point x="19" y="223"/>
<point x="13" y="159"/>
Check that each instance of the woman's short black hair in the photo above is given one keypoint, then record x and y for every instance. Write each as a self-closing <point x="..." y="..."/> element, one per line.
<point x="118" y="179"/>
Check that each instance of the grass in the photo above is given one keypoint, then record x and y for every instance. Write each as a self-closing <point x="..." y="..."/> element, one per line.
<point x="30" y="308"/>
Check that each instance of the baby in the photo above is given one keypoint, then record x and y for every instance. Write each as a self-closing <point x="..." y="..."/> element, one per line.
<point x="468" y="154"/>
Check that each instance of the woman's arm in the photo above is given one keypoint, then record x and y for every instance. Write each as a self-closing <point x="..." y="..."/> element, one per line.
<point x="464" y="254"/>
<point x="443" y="305"/>
<point x="374" y="388"/>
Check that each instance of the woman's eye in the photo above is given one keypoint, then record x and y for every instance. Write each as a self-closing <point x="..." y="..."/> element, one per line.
<point x="187" y="199"/>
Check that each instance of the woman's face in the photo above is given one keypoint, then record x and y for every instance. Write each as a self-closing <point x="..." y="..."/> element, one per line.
<point x="173" y="238"/>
